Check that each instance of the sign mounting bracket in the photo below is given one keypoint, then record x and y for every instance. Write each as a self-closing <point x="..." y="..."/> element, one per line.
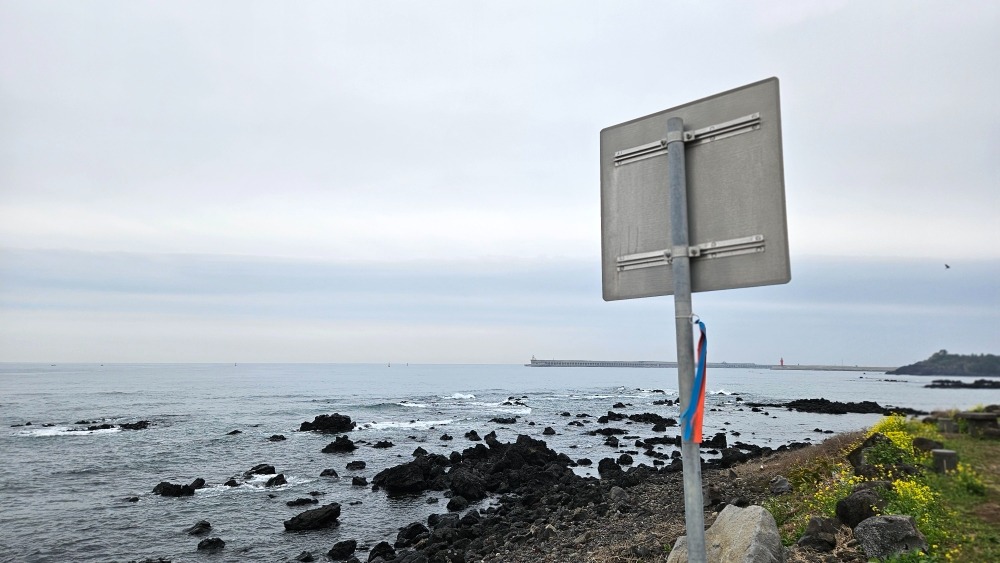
<point x="717" y="132"/>
<point x="706" y="250"/>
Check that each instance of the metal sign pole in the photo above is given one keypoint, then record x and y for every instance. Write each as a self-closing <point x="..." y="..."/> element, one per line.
<point x="681" y="268"/>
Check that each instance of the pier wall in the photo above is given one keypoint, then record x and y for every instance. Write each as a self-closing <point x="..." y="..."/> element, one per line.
<point x="656" y="364"/>
<point x="627" y="364"/>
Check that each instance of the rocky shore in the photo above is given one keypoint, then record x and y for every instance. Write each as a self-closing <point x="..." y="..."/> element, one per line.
<point x="521" y="501"/>
<point x="959" y="384"/>
<point x="546" y="512"/>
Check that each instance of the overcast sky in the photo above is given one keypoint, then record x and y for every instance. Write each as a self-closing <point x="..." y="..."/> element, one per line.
<point x="403" y="181"/>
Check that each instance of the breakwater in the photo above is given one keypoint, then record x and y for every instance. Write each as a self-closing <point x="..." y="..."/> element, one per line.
<point x="535" y="363"/>
<point x="874" y="369"/>
<point x="629" y="364"/>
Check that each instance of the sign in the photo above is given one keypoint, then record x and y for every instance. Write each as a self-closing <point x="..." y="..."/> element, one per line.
<point x="735" y="196"/>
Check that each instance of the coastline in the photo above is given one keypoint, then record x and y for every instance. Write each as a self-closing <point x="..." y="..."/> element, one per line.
<point x="425" y="405"/>
<point x="647" y="517"/>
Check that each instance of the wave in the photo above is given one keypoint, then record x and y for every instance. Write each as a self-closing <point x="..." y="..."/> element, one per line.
<point x="721" y="392"/>
<point x="659" y="391"/>
<point x="63" y="431"/>
<point x="394" y="406"/>
<point x="413" y="405"/>
<point x="418" y="424"/>
<point x="505" y="407"/>
<point x="254" y="484"/>
<point x="459" y="396"/>
<point x="83" y="471"/>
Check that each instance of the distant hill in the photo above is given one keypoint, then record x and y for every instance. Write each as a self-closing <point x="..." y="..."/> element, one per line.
<point x="943" y="363"/>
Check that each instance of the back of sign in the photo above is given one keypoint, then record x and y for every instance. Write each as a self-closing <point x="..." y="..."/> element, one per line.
<point x="735" y="191"/>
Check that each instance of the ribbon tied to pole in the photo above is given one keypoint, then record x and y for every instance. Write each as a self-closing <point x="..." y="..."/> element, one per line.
<point x="692" y="417"/>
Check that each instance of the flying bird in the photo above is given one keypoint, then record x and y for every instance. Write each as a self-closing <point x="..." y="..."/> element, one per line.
<point x="947" y="267"/>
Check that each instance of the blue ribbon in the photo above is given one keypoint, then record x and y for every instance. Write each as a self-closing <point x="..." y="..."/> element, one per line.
<point x="687" y="418"/>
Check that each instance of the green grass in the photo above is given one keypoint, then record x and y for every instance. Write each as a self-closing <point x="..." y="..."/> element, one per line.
<point x="974" y="501"/>
<point x="959" y="513"/>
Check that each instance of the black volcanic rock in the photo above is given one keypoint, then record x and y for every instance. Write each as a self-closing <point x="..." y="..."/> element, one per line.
<point x="329" y="473"/>
<point x="302" y="502"/>
<point x="610" y="417"/>
<point x="411" y="534"/>
<point x="412" y="477"/>
<point x="141" y="425"/>
<point x="259" y="469"/>
<point x="457" y="503"/>
<point x="826" y="406"/>
<point x="467" y="483"/>
<point x="957" y="384"/>
<point x="277" y="438"/>
<point x="276" y="481"/>
<point x="652" y="418"/>
<point x="356" y="465"/>
<point x="211" y="544"/>
<point x="480" y="470"/>
<point x="608" y="432"/>
<point x="329" y="424"/>
<point x="201" y="528"/>
<point x="342" y="444"/>
<point x="315" y="519"/>
<point x="504" y="420"/>
<point x="172" y="490"/>
<point x="717" y="441"/>
<point x="860" y="505"/>
<point x="342" y="550"/>
<point x="383" y="550"/>
<point x="608" y="468"/>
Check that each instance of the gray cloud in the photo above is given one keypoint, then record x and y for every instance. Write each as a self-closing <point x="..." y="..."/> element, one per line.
<point x="884" y="312"/>
<point x="437" y="164"/>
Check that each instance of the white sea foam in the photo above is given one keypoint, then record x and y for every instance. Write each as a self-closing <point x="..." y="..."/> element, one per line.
<point x="418" y="424"/>
<point x="413" y="405"/>
<point x="657" y="391"/>
<point x="64" y="431"/>
<point x="721" y="392"/>
<point x="459" y="396"/>
<point x="255" y="484"/>
<point x="505" y="407"/>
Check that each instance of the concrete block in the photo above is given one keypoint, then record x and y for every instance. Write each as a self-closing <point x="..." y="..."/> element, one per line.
<point x="944" y="460"/>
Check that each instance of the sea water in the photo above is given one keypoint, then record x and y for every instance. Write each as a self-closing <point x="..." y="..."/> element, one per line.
<point x="64" y="488"/>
